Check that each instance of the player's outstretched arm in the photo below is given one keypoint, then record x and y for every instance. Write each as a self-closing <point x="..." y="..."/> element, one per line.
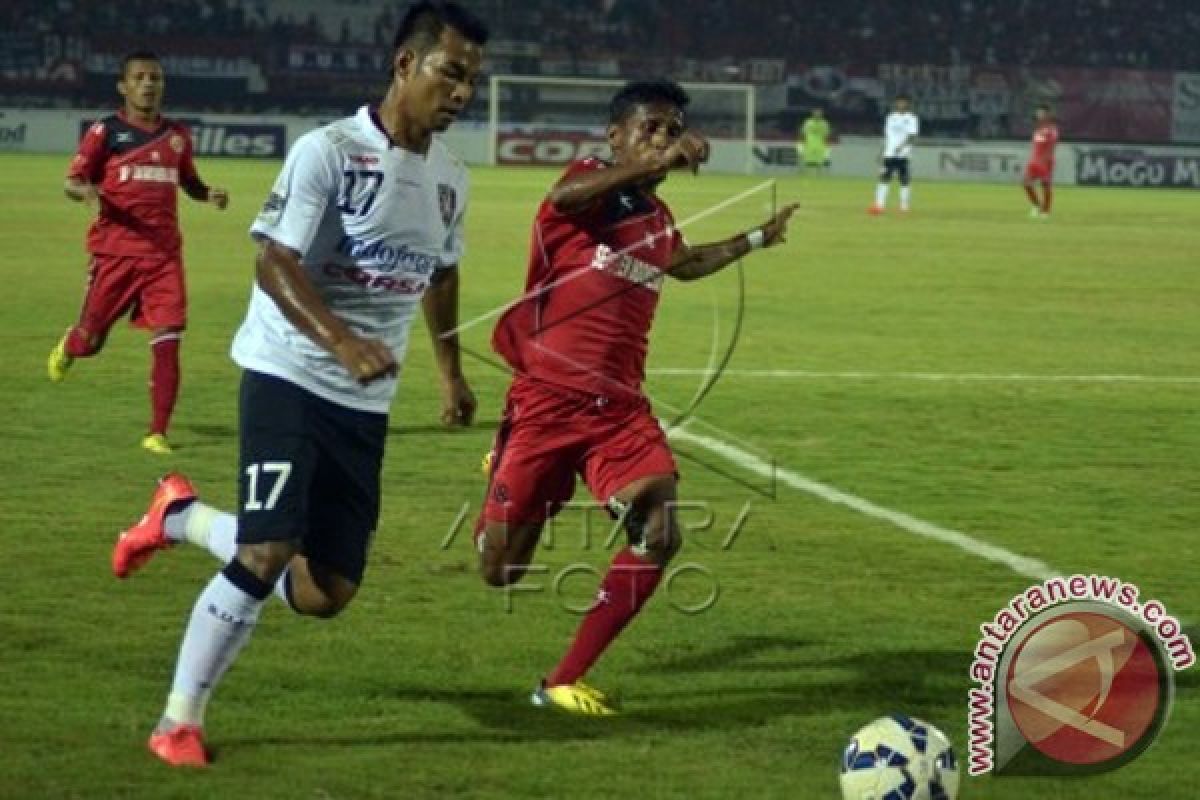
<point x="281" y="276"/>
<point x="579" y="191"/>
<point x="691" y="263"/>
<point x="440" y="305"/>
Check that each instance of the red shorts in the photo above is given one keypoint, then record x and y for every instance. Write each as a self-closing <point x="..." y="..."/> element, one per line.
<point x="150" y="288"/>
<point x="549" y="434"/>
<point x="1039" y="172"/>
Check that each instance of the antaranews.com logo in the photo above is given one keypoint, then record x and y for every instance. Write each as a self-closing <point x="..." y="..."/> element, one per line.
<point x="1076" y="676"/>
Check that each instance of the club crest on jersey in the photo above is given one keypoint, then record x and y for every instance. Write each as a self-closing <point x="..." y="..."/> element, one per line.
<point x="447" y="202"/>
<point x="176" y="142"/>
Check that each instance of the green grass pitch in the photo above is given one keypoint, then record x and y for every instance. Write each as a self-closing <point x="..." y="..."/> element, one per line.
<point x="825" y="618"/>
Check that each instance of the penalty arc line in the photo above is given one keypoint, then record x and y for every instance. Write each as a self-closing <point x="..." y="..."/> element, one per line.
<point x="1022" y="565"/>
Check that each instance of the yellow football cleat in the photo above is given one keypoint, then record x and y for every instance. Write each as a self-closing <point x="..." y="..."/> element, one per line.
<point x="574" y="698"/>
<point x="489" y="458"/>
<point x="59" y="361"/>
<point x="157" y="443"/>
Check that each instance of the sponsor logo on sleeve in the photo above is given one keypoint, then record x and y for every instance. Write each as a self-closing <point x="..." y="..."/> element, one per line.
<point x="447" y="203"/>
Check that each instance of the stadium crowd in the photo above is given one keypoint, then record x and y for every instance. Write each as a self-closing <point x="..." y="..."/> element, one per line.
<point x="1150" y="34"/>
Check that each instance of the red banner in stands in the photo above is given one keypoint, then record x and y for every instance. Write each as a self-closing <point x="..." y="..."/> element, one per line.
<point x="1119" y="105"/>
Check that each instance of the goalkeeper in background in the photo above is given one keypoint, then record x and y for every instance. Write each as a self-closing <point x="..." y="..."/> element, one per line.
<point x="813" y="145"/>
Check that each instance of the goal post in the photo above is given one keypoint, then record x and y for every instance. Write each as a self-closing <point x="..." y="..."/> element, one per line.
<point x="535" y="119"/>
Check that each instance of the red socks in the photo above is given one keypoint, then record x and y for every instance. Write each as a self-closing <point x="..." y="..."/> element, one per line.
<point x="624" y="590"/>
<point x="164" y="380"/>
<point x="78" y="345"/>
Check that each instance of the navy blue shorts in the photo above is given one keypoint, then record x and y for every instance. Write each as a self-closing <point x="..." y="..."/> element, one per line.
<point x="309" y="473"/>
<point x="894" y="166"/>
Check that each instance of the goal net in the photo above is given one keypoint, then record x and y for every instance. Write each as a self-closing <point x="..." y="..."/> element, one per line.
<point x="551" y="121"/>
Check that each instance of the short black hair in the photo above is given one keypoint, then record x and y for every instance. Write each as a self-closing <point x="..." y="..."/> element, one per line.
<point x="138" y="55"/>
<point x="424" y="22"/>
<point x="1043" y="107"/>
<point x="640" y="93"/>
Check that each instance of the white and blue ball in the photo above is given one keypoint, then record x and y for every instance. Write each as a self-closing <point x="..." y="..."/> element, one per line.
<point x="899" y="758"/>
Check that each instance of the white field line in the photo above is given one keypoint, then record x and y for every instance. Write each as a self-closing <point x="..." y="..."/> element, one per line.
<point x="1027" y="567"/>
<point x="945" y="377"/>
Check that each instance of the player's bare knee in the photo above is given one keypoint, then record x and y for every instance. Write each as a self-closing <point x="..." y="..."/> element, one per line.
<point x="493" y="574"/>
<point x="662" y="539"/>
<point x="266" y="560"/>
<point x="326" y="608"/>
<point x="319" y="591"/>
<point x="506" y="553"/>
<point x="499" y="572"/>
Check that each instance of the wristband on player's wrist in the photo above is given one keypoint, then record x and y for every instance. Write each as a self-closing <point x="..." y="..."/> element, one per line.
<point x="756" y="238"/>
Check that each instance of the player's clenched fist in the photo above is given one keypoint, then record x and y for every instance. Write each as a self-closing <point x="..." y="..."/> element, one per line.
<point x="365" y="359"/>
<point x="689" y="151"/>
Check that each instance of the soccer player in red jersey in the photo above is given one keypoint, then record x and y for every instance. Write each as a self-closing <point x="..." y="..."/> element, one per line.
<point x="603" y="241"/>
<point x="128" y="168"/>
<point x="1040" y="168"/>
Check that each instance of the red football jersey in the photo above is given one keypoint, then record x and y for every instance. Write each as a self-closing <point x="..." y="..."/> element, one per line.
<point x="591" y="292"/>
<point x="1045" y="137"/>
<point x="138" y="171"/>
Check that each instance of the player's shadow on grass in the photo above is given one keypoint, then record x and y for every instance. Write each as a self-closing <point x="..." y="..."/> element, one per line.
<point x="931" y="683"/>
<point x="209" y="431"/>
<point x="738" y="653"/>
<point x="924" y="682"/>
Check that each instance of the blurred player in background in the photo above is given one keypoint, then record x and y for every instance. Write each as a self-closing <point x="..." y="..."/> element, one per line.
<point x="602" y="244"/>
<point x="128" y="169"/>
<point x="814" y="141"/>
<point x="364" y="222"/>
<point x="1040" y="168"/>
<point x="899" y="134"/>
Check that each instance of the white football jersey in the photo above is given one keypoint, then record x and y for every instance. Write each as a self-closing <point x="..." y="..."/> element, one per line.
<point x="896" y="130"/>
<point x="371" y="222"/>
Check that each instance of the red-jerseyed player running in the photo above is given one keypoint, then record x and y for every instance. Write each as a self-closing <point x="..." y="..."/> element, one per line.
<point x="602" y="243"/>
<point x="1040" y="168"/>
<point x="128" y="168"/>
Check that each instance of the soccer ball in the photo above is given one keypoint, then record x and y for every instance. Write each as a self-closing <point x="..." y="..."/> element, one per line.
<point x="899" y="758"/>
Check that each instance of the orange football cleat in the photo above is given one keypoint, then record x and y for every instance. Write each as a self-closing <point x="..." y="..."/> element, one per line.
<point x="180" y="746"/>
<point x="138" y="544"/>
<point x="875" y="211"/>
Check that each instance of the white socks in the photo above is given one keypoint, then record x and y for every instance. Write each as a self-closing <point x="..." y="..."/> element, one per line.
<point x="221" y="623"/>
<point x="881" y="193"/>
<point x="216" y="530"/>
<point x="205" y="526"/>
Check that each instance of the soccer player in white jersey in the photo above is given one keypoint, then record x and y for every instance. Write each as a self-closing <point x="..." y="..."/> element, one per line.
<point x="899" y="134"/>
<point x="364" y="222"/>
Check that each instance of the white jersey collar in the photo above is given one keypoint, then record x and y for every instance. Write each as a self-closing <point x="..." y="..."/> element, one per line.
<point x="372" y="126"/>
